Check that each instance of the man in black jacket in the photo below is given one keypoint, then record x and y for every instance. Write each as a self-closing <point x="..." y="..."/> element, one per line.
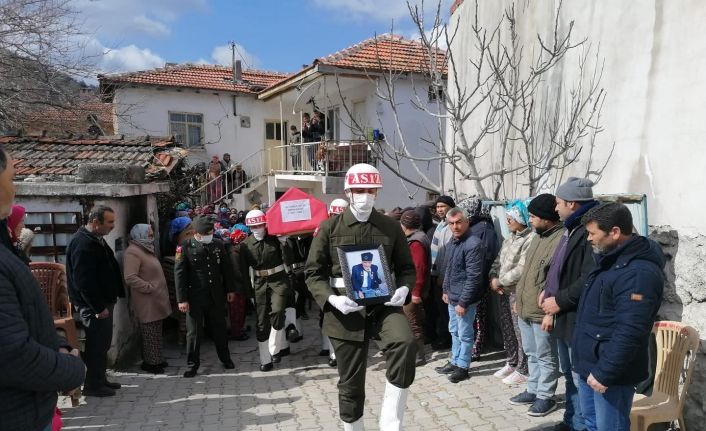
<point x="95" y="283"/>
<point x="36" y="363"/>
<point x="571" y="263"/>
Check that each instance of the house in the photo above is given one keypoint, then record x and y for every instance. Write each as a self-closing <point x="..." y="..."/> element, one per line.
<point x="59" y="180"/>
<point x="212" y="110"/>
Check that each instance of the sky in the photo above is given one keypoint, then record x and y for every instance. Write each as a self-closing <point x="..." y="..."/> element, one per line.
<point x="275" y="35"/>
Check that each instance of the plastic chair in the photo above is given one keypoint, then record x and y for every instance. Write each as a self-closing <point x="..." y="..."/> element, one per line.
<point x="52" y="280"/>
<point x="677" y="345"/>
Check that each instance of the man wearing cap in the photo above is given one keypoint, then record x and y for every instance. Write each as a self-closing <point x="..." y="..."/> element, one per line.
<point x="437" y="311"/>
<point x="365" y="278"/>
<point x="535" y="326"/>
<point x="351" y="326"/>
<point x="419" y="243"/>
<point x="267" y="255"/>
<point x="203" y="276"/>
<point x="571" y="263"/>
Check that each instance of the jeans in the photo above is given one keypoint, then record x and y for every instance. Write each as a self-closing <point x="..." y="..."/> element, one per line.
<point x="572" y="413"/>
<point x="542" y="359"/>
<point x="607" y="411"/>
<point x="462" y="335"/>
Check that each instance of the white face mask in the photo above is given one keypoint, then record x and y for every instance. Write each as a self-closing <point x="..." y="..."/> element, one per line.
<point x="205" y="239"/>
<point x="259" y="233"/>
<point x="361" y="205"/>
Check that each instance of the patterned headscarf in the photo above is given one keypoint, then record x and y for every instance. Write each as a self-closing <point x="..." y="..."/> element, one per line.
<point x="517" y="210"/>
<point x="237" y="236"/>
<point x="475" y="209"/>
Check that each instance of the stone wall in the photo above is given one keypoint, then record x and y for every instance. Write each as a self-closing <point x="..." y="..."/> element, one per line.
<point x="685" y="300"/>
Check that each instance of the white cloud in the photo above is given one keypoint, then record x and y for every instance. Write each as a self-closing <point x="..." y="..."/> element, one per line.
<point x="128" y="59"/>
<point x="223" y="55"/>
<point x="150" y="26"/>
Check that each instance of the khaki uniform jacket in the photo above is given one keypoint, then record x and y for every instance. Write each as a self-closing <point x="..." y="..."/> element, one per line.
<point x="203" y="273"/>
<point x="539" y="256"/>
<point x="260" y="255"/>
<point x="344" y="229"/>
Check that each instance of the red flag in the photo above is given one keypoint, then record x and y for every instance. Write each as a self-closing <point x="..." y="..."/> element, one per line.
<point x="295" y="212"/>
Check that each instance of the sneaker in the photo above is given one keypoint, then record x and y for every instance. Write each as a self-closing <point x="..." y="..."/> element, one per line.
<point x="504" y="371"/>
<point x="515" y="379"/>
<point x="458" y="375"/>
<point x="541" y="407"/>
<point x="446" y="369"/>
<point x="523" y="398"/>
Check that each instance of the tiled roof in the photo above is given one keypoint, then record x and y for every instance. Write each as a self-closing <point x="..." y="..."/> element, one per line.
<point x="61" y="121"/>
<point x="386" y="53"/>
<point x="197" y="76"/>
<point x="56" y="158"/>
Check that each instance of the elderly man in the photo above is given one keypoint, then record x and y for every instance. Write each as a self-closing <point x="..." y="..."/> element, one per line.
<point x="36" y="363"/>
<point x="462" y="290"/>
<point x="615" y="316"/>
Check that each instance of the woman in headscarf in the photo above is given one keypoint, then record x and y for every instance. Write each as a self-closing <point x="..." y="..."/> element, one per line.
<point x="215" y="185"/>
<point x="149" y="295"/>
<point x="504" y="275"/>
<point x="482" y="228"/>
<point x="15" y="224"/>
<point x="180" y="230"/>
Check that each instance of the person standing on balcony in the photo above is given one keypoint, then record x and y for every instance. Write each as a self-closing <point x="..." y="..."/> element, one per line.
<point x="215" y="184"/>
<point x="295" y="150"/>
<point x="350" y="326"/>
<point x="239" y="178"/>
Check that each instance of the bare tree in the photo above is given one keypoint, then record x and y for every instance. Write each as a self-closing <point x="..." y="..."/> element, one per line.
<point x="41" y="56"/>
<point x="527" y="126"/>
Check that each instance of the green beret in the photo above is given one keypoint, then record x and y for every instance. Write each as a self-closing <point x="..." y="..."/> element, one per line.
<point x="203" y="224"/>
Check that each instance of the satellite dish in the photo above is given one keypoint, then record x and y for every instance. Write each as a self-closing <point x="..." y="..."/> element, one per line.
<point x="306" y="96"/>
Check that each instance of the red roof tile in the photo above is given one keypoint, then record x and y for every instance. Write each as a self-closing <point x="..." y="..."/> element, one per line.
<point x="198" y="76"/>
<point x="387" y="53"/>
<point x="72" y="119"/>
<point x="52" y="157"/>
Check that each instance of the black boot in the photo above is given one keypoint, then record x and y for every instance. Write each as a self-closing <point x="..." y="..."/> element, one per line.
<point x="191" y="372"/>
<point x="446" y="369"/>
<point x="458" y="375"/>
<point x="266" y="367"/>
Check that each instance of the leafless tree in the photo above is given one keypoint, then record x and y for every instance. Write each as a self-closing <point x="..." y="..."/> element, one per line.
<point x="41" y="56"/>
<point x="526" y="126"/>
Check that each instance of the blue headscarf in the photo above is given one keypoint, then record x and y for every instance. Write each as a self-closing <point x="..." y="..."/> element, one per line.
<point x="241" y="227"/>
<point x="517" y="210"/>
<point x="177" y="226"/>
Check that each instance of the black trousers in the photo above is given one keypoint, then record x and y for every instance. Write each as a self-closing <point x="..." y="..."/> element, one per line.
<point x="441" y="309"/>
<point x="99" y="336"/>
<point x="391" y="328"/>
<point x="215" y="317"/>
<point x="302" y="292"/>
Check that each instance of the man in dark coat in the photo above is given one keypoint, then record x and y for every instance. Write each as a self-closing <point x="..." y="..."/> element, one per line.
<point x="615" y="316"/>
<point x="36" y="363"/>
<point x="203" y="278"/>
<point x="95" y="283"/>
<point x="571" y="263"/>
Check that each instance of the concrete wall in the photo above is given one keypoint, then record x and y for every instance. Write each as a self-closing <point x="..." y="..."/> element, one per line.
<point x="653" y="113"/>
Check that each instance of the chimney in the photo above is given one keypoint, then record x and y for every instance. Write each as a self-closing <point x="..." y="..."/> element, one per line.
<point x="238" y="72"/>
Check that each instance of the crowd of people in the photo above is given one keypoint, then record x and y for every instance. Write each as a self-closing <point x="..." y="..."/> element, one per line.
<point x="577" y="290"/>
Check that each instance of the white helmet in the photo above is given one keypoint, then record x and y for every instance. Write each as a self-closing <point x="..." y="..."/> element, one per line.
<point x="337" y="206"/>
<point x="363" y="176"/>
<point x="254" y="218"/>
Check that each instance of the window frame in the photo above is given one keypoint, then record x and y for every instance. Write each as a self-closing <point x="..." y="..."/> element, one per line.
<point x="187" y="124"/>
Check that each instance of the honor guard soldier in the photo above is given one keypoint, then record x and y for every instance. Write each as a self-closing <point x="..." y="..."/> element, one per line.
<point x="296" y="311"/>
<point x="351" y="326"/>
<point x="203" y="277"/>
<point x="267" y="256"/>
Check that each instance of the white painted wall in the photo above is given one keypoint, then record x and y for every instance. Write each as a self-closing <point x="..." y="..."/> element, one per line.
<point x="655" y="106"/>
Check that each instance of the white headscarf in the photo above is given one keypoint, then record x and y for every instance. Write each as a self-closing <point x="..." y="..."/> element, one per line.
<point x="140" y="235"/>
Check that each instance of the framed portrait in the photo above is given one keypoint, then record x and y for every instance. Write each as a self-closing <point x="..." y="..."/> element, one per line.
<point x="366" y="274"/>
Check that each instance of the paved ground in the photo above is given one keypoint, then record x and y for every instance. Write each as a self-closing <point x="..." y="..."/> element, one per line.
<point x="300" y="394"/>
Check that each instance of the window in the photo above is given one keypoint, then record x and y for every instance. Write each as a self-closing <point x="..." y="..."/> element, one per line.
<point x="186" y="128"/>
<point x="52" y="232"/>
<point x="434" y="93"/>
<point x="273" y="130"/>
<point x="333" y="118"/>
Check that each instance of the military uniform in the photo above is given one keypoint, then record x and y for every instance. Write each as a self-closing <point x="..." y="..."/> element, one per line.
<point x="300" y="250"/>
<point x="203" y="274"/>
<point x="271" y="290"/>
<point x="350" y="334"/>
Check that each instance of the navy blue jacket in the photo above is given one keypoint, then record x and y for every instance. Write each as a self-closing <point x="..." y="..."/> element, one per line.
<point x="616" y="313"/>
<point x="465" y="258"/>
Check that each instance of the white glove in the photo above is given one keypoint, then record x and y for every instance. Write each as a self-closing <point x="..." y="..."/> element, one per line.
<point x="344" y="304"/>
<point x="283" y="239"/>
<point x="399" y="297"/>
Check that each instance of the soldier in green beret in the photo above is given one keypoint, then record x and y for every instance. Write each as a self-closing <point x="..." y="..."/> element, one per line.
<point x="203" y="276"/>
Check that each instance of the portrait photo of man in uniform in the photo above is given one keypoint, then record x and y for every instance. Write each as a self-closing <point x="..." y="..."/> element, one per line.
<point x="367" y="274"/>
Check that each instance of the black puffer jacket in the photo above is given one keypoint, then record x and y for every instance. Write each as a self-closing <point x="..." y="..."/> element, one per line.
<point x="32" y="368"/>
